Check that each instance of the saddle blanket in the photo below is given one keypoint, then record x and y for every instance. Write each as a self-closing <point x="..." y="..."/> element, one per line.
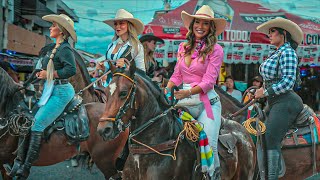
<point x="305" y="138"/>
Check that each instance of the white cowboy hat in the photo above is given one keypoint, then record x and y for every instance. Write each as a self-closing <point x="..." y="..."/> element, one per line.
<point x="205" y="12"/>
<point x="125" y="15"/>
<point x="65" y="21"/>
<point x="291" y="27"/>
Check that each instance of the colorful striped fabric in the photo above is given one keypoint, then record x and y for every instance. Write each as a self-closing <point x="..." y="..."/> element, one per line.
<point x="207" y="165"/>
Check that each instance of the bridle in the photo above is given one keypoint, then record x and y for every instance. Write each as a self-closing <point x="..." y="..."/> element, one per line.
<point x="129" y="103"/>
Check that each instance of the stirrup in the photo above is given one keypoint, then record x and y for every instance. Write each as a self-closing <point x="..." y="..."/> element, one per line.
<point x="11" y="171"/>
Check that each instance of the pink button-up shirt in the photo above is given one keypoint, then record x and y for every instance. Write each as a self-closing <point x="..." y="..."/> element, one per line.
<point x="199" y="73"/>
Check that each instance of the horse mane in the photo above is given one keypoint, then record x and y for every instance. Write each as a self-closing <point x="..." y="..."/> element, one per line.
<point x="233" y="100"/>
<point x="83" y="69"/>
<point x="8" y="88"/>
<point x="154" y="87"/>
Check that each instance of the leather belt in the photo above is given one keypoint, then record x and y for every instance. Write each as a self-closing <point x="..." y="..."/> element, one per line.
<point x="61" y="81"/>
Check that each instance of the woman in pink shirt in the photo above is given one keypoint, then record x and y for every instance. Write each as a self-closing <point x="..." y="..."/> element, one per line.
<point x="198" y="67"/>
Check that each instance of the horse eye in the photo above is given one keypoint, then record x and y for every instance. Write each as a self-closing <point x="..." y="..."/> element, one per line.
<point x="123" y="94"/>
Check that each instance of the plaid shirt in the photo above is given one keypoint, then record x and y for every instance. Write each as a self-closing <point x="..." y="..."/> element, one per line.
<point x="288" y="62"/>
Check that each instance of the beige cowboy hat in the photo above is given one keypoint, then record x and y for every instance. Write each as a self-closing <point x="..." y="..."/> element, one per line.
<point x="65" y="21"/>
<point x="205" y="12"/>
<point x="291" y="27"/>
<point x="125" y="15"/>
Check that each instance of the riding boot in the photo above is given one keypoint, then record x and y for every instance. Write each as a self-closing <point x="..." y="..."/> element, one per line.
<point x="273" y="164"/>
<point x="32" y="155"/>
<point x="18" y="161"/>
<point x="121" y="160"/>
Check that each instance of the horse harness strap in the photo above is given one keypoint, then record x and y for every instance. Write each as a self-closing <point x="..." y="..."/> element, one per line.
<point x="242" y="109"/>
<point x="165" y="146"/>
<point x="148" y="123"/>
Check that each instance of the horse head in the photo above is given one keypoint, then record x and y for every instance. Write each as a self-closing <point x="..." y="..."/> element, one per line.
<point x="132" y="99"/>
<point x="121" y="103"/>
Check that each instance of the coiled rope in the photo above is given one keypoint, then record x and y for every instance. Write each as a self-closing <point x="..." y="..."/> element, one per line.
<point x="250" y="129"/>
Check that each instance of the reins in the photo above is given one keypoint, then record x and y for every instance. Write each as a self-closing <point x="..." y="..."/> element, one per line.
<point x="231" y="116"/>
<point x="91" y="84"/>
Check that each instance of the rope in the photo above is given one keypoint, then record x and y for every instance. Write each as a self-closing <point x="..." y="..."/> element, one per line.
<point x="174" y="157"/>
<point x="250" y="129"/>
<point x="19" y="125"/>
<point x="192" y="133"/>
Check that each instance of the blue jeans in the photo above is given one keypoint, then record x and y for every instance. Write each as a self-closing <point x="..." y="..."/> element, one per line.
<point x="60" y="97"/>
<point x="212" y="127"/>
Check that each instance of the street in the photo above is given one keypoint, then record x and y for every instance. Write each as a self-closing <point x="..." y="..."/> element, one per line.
<point x="64" y="171"/>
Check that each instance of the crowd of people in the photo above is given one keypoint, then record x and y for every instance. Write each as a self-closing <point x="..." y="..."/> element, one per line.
<point x="197" y="69"/>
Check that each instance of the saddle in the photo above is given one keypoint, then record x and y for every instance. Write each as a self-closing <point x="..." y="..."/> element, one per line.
<point x="303" y="131"/>
<point x="73" y="120"/>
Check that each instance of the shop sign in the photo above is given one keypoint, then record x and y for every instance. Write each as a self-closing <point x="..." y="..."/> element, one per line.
<point x="171" y="30"/>
<point x="260" y="18"/>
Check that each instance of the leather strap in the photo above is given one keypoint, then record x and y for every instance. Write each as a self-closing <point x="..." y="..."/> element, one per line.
<point x="165" y="146"/>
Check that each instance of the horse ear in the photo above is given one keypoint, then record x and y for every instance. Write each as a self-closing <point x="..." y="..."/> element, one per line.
<point x="132" y="68"/>
<point x="112" y="67"/>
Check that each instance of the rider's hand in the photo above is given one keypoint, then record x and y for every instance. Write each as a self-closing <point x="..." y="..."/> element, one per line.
<point x="259" y="93"/>
<point x="42" y="74"/>
<point x="182" y="94"/>
<point x="120" y="63"/>
<point x="100" y="66"/>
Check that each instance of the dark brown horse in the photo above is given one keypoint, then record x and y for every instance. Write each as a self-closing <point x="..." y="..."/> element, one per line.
<point x="298" y="160"/>
<point x="135" y="102"/>
<point x="57" y="149"/>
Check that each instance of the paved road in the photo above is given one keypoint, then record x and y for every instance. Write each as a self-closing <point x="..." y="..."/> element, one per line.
<point x="64" y="171"/>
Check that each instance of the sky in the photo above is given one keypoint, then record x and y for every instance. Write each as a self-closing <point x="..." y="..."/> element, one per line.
<point x="94" y="35"/>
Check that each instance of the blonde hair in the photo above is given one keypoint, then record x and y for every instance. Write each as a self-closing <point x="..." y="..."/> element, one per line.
<point x="148" y="56"/>
<point x="50" y="66"/>
<point x="210" y="40"/>
<point x="132" y="37"/>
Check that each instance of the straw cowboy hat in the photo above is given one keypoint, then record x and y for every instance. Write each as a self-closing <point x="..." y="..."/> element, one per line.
<point x="65" y="21"/>
<point x="149" y="37"/>
<point x="125" y="15"/>
<point x="205" y="12"/>
<point x="291" y="27"/>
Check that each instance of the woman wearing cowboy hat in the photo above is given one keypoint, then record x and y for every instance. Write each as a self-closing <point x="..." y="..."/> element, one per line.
<point x="125" y="45"/>
<point x="198" y="67"/>
<point x="149" y="42"/>
<point x="279" y="75"/>
<point x="56" y="66"/>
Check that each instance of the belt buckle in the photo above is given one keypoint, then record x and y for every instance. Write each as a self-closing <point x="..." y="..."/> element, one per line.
<point x="214" y="100"/>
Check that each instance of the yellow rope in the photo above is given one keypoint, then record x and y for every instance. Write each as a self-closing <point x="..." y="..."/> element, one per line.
<point x="192" y="131"/>
<point x="250" y="129"/>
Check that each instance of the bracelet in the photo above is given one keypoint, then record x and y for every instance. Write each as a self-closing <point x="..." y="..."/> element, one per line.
<point x="190" y="93"/>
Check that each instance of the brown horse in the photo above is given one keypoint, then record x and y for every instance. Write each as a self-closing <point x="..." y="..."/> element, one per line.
<point x="135" y="102"/>
<point x="57" y="148"/>
<point x="298" y="160"/>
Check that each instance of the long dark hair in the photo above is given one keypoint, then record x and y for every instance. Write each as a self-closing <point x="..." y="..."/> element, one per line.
<point x="288" y="38"/>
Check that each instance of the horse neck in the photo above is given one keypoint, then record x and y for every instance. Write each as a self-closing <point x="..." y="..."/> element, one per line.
<point x="150" y="108"/>
<point x="79" y="81"/>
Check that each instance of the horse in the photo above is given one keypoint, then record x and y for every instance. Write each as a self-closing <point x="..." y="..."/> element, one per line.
<point x="57" y="148"/>
<point x="136" y="103"/>
<point x="298" y="160"/>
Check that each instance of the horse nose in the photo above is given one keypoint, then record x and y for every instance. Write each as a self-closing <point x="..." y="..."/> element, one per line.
<point x="107" y="130"/>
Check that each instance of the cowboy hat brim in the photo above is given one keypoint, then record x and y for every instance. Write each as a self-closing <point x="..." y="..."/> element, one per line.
<point x="149" y="37"/>
<point x="63" y="22"/>
<point x="291" y="27"/>
<point x="219" y="23"/>
<point x="139" y="26"/>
